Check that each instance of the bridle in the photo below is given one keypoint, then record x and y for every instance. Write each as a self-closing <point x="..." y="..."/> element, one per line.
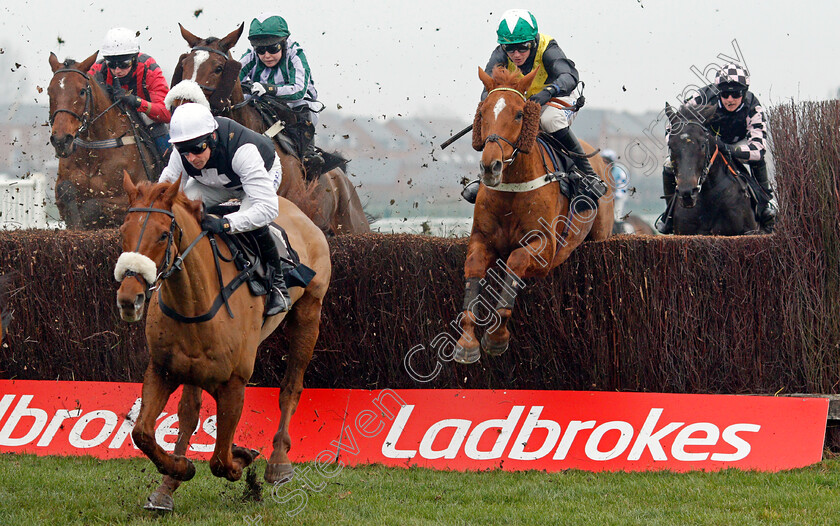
<point x="84" y="118"/>
<point x="496" y="138"/>
<point x="209" y="89"/>
<point x="710" y="157"/>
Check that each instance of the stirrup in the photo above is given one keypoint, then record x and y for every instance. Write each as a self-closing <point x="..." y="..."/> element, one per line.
<point x="470" y="192"/>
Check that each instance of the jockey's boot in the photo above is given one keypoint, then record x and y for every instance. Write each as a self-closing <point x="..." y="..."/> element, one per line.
<point x="665" y="222"/>
<point x="767" y="207"/>
<point x="278" y="297"/>
<point x="591" y="186"/>
<point x="470" y="192"/>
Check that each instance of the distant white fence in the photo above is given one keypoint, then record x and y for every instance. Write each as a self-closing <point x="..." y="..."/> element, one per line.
<point x="431" y="226"/>
<point x="23" y="203"/>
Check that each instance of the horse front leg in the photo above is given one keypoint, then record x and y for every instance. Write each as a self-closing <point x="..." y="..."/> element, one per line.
<point x="504" y="286"/>
<point x="228" y="460"/>
<point x="467" y="350"/>
<point x="303" y="326"/>
<point x="67" y="201"/>
<point x="155" y="394"/>
<point x="188" y="409"/>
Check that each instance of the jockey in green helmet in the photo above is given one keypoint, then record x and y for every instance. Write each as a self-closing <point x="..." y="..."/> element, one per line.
<point x="522" y="47"/>
<point x="276" y="66"/>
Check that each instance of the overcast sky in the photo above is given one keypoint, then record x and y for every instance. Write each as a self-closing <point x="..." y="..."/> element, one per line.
<point x="420" y="58"/>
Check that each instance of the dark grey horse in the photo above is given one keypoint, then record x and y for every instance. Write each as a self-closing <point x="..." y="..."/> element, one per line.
<point x="710" y="198"/>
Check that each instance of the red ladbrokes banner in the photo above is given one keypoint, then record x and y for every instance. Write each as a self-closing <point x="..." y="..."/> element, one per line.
<point x="441" y="429"/>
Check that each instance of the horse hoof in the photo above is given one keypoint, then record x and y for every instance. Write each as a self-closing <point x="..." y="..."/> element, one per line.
<point x="493" y="349"/>
<point x="279" y="473"/>
<point x="187" y="474"/>
<point x="245" y="455"/>
<point x="158" y="501"/>
<point x="466" y="355"/>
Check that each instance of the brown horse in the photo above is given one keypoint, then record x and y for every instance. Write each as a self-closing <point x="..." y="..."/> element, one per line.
<point x="522" y="220"/>
<point x="209" y="75"/>
<point x="162" y="249"/>
<point x="95" y="142"/>
<point x="5" y="314"/>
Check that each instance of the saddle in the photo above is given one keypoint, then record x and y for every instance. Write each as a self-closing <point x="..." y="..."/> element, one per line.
<point x="567" y="175"/>
<point x="246" y="255"/>
<point x="293" y="135"/>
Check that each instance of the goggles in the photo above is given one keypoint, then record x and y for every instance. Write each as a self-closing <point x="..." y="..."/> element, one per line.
<point x="731" y="94"/>
<point x="118" y="62"/>
<point x="262" y="50"/>
<point x="519" y="46"/>
<point x="195" y="147"/>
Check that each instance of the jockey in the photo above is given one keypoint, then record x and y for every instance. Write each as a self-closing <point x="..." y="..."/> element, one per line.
<point x="620" y="177"/>
<point x="136" y="81"/>
<point x="225" y="160"/>
<point x="277" y="67"/>
<point x="740" y="132"/>
<point x="522" y="47"/>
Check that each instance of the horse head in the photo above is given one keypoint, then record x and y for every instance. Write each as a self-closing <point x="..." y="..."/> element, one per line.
<point x="506" y="119"/>
<point x="71" y="95"/>
<point x="691" y="148"/>
<point x="148" y="241"/>
<point x="207" y="74"/>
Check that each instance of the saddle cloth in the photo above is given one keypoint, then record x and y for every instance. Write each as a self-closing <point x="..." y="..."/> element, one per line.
<point x="246" y="253"/>
<point x="566" y="175"/>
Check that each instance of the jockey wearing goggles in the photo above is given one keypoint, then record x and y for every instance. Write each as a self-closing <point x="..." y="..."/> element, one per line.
<point x="522" y="47"/>
<point x="277" y="67"/>
<point x="136" y="81"/>
<point x="224" y="160"/>
<point x="741" y="134"/>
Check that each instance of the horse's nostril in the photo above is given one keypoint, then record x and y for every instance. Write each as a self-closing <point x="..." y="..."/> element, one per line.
<point x="496" y="167"/>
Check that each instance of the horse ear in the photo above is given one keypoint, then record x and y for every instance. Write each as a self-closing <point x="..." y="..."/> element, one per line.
<point x="232" y="38"/>
<point x="172" y="191"/>
<point x="129" y="187"/>
<point x="486" y="79"/>
<point x="88" y="62"/>
<point x="191" y="39"/>
<point x="54" y="63"/>
<point x="525" y="82"/>
<point x="669" y="112"/>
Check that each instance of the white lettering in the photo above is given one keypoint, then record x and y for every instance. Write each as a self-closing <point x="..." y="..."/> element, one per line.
<point x="684" y="438"/>
<point x="741" y="446"/>
<point x="22" y="410"/>
<point x="506" y="426"/>
<point x="165" y="429"/>
<point x="126" y="427"/>
<point x="569" y="437"/>
<point x="55" y="423"/>
<point x="450" y="451"/>
<point x="209" y="427"/>
<point x="389" y="448"/>
<point x="623" y="441"/>
<point x="532" y="422"/>
<point x="75" y="437"/>
<point x="647" y="439"/>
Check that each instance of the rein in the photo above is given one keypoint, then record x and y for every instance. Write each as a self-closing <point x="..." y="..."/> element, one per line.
<point x="176" y="265"/>
<point x="85" y="117"/>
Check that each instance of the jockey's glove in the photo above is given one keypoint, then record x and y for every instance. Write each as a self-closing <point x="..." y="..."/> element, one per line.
<point x="258" y="90"/>
<point x="543" y="96"/>
<point x="723" y="147"/>
<point x="129" y="100"/>
<point x="215" y="225"/>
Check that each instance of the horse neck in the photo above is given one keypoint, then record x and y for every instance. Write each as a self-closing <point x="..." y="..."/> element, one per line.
<point x="194" y="285"/>
<point x="526" y="166"/>
<point x="113" y="123"/>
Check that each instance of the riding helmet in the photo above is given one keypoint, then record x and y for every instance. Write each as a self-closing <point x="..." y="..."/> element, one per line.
<point x="191" y="121"/>
<point x="516" y="26"/>
<point x="120" y="41"/>
<point x="267" y="29"/>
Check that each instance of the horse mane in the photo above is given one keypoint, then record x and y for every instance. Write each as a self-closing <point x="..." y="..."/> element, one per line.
<point x="699" y="114"/>
<point x="506" y="78"/>
<point x="69" y="62"/>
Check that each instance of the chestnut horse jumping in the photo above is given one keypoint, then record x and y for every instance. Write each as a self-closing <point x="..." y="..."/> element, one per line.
<point x="209" y="75"/>
<point x="163" y="250"/>
<point x="522" y="220"/>
<point x="95" y="142"/>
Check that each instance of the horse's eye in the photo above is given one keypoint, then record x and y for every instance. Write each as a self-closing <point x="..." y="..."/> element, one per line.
<point x="164" y="237"/>
<point x="219" y="70"/>
<point x="82" y="93"/>
<point x="519" y="115"/>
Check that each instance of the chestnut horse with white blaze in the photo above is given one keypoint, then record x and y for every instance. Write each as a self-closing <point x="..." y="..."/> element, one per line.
<point x="95" y="143"/>
<point x="522" y="220"/>
<point x="209" y="75"/>
<point x="169" y="260"/>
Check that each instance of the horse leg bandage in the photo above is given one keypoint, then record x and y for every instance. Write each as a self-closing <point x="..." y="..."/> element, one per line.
<point x="471" y="291"/>
<point x="510" y="288"/>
